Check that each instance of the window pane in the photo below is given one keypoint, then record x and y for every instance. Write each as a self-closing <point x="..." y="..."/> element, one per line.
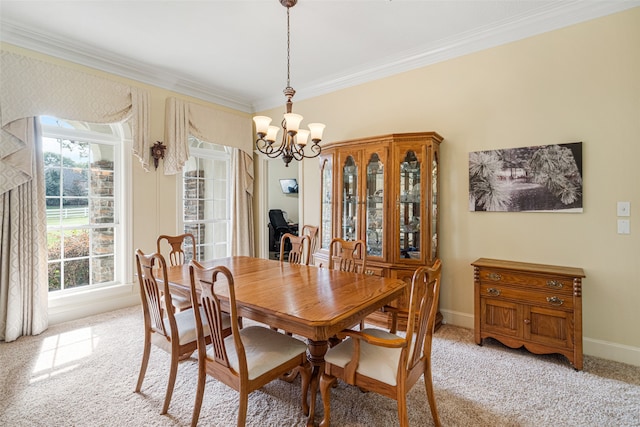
<point x="54" y="242"/>
<point x="102" y="269"/>
<point x="76" y="243"/>
<point x="102" y="241"/>
<point x="75" y="211"/>
<point x="76" y="273"/>
<point x="54" y="276"/>
<point x="102" y="211"/>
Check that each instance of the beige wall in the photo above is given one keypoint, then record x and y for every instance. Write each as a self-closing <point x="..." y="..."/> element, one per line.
<point x="581" y="83"/>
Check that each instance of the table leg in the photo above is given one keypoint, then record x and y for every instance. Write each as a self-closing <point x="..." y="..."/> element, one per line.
<point x="315" y="354"/>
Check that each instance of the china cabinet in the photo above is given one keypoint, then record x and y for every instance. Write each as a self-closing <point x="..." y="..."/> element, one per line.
<point x="383" y="190"/>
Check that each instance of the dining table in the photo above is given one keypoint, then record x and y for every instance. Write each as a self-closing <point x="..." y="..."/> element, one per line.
<point x="312" y="302"/>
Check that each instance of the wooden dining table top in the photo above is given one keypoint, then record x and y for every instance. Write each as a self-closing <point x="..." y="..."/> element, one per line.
<point x="313" y="302"/>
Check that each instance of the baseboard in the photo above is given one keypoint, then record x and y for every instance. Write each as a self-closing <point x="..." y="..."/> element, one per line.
<point x="95" y="301"/>
<point x="592" y="347"/>
<point x="611" y="351"/>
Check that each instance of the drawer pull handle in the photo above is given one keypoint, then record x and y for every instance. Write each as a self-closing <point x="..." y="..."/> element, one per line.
<point x="555" y="284"/>
<point x="555" y="300"/>
<point x="493" y="291"/>
<point x="494" y="276"/>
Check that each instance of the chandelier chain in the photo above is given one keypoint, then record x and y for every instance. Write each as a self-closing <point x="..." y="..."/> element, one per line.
<point x="288" y="51"/>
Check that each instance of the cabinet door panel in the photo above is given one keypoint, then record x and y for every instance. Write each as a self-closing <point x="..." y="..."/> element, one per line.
<point x="326" y="200"/>
<point x="549" y="327"/>
<point x="501" y="317"/>
<point x="375" y="204"/>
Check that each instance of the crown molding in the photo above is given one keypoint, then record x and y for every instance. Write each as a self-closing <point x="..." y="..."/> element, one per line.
<point x="101" y="60"/>
<point x="559" y="15"/>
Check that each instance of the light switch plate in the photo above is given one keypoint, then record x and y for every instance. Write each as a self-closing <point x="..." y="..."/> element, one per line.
<point x="623" y="226"/>
<point x="624" y="209"/>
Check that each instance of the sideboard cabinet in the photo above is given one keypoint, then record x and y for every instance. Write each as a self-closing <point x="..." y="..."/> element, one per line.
<point x="383" y="190"/>
<point x="532" y="305"/>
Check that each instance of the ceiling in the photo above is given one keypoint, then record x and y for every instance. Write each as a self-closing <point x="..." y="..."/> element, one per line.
<point x="233" y="52"/>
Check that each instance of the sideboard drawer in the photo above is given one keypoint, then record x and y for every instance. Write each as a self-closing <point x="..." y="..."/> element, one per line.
<point x="541" y="299"/>
<point x="560" y="285"/>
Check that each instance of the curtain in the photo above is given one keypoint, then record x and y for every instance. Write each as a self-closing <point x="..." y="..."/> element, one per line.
<point x="23" y="254"/>
<point x="32" y="88"/>
<point x="242" y="203"/>
<point x="219" y="127"/>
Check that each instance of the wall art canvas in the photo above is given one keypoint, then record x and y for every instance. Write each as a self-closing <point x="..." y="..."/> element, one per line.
<point x="545" y="178"/>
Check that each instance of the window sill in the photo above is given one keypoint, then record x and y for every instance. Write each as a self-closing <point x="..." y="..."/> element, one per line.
<point x="92" y="301"/>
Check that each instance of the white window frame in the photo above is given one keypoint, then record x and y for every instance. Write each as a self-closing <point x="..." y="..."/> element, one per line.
<point x="208" y="154"/>
<point x="81" y="301"/>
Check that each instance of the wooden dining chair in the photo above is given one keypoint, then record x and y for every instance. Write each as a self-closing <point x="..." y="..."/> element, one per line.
<point x="311" y="231"/>
<point x="385" y="363"/>
<point x="173" y="333"/>
<point x="247" y="359"/>
<point x="298" y="247"/>
<point x="178" y="256"/>
<point x="348" y="255"/>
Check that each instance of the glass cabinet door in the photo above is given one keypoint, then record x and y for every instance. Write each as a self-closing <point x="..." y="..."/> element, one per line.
<point x="434" y="207"/>
<point x="375" y="206"/>
<point x="326" y="200"/>
<point x="410" y="206"/>
<point x="350" y="199"/>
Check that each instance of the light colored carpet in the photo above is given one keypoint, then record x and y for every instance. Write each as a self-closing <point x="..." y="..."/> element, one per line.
<point x="83" y="373"/>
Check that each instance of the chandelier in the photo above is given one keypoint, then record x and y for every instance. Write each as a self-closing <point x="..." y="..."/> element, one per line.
<point x="294" y="140"/>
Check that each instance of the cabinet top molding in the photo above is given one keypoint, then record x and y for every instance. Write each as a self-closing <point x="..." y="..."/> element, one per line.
<point x="529" y="267"/>
<point x="391" y="137"/>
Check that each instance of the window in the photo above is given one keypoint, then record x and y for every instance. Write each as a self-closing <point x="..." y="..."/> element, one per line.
<point x="206" y="193"/>
<point x="82" y="167"/>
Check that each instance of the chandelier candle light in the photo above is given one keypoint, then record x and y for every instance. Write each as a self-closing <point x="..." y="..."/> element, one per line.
<point x="294" y="139"/>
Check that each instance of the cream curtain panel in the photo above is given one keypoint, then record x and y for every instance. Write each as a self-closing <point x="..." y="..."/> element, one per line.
<point x="242" y="203"/>
<point x="23" y="254"/>
<point x="219" y="127"/>
<point x="32" y="88"/>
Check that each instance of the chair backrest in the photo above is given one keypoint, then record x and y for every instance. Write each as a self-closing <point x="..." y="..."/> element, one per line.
<point x="178" y="255"/>
<point x="206" y="290"/>
<point x="299" y="249"/>
<point x="156" y="313"/>
<point x="347" y="255"/>
<point x="312" y="232"/>
<point x="423" y="306"/>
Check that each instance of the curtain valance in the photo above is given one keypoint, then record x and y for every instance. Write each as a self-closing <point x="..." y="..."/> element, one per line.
<point x="31" y="88"/>
<point x="208" y="124"/>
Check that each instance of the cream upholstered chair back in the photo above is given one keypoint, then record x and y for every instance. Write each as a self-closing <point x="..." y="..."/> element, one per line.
<point x="386" y="363"/>
<point x="295" y="249"/>
<point x="247" y="359"/>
